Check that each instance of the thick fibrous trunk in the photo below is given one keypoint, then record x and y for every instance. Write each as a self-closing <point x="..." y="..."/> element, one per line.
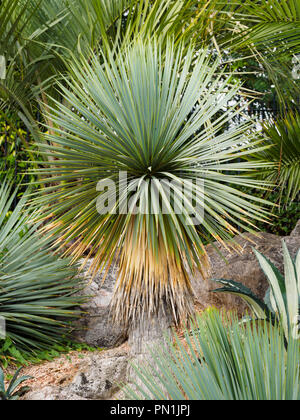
<point x="149" y="331"/>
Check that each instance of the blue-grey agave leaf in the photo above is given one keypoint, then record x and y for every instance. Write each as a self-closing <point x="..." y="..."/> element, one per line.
<point x="260" y="309"/>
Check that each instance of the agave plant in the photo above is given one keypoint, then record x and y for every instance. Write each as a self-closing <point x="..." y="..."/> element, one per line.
<point x="282" y="299"/>
<point x="11" y="393"/>
<point x="284" y="138"/>
<point x="221" y="359"/>
<point x="37" y="287"/>
<point x="132" y="115"/>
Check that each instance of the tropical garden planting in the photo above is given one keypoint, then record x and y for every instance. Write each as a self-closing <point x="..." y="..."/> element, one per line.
<point x="144" y="145"/>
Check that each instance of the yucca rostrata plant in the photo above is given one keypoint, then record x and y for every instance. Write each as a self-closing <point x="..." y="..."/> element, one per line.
<point x="282" y="299"/>
<point x="129" y="117"/>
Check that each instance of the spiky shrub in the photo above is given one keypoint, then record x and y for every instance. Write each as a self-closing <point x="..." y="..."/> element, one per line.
<point x="282" y="299"/>
<point x="12" y="392"/>
<point x="133" y="113"/>
<point x="37" y="287"/>
<point x="222" y="359"/>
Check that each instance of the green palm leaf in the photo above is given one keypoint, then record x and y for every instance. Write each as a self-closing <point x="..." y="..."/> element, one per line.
<point x="274" y="21"/>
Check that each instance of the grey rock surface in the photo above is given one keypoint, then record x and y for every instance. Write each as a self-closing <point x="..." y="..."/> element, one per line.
<point x="243" y="267"/>
<point x="96" y="327"/>
<point x="51" y="393"/>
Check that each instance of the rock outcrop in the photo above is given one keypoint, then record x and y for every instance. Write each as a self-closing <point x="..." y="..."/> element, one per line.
<point x="98" y="376"/>
<point x="243" y="267"/>
<point x="96" y="327"/>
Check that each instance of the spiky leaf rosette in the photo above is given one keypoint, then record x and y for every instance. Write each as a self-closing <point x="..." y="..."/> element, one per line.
<point x="132" y="114"/>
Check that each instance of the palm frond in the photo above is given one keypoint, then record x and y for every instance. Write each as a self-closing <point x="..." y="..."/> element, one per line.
<point x="275" y="22"/>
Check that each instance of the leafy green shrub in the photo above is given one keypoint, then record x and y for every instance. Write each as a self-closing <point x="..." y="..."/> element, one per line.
<point x="283" y="137"/>
<point x="37" y="287"/>
<point x="222" y="360"/>
<point x="283" y="153"/>
<point x="282" y="298"/>
<point x="10" y="393"/>
<point x="11" y="356"/>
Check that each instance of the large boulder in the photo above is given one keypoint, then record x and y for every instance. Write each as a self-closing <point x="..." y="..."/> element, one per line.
<point x="51" y="393"/>
<point x="97" y="376"/>
<point x="241" y="266"/>
<point x="96" y="327"/>
<point x="101" y="378"/>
